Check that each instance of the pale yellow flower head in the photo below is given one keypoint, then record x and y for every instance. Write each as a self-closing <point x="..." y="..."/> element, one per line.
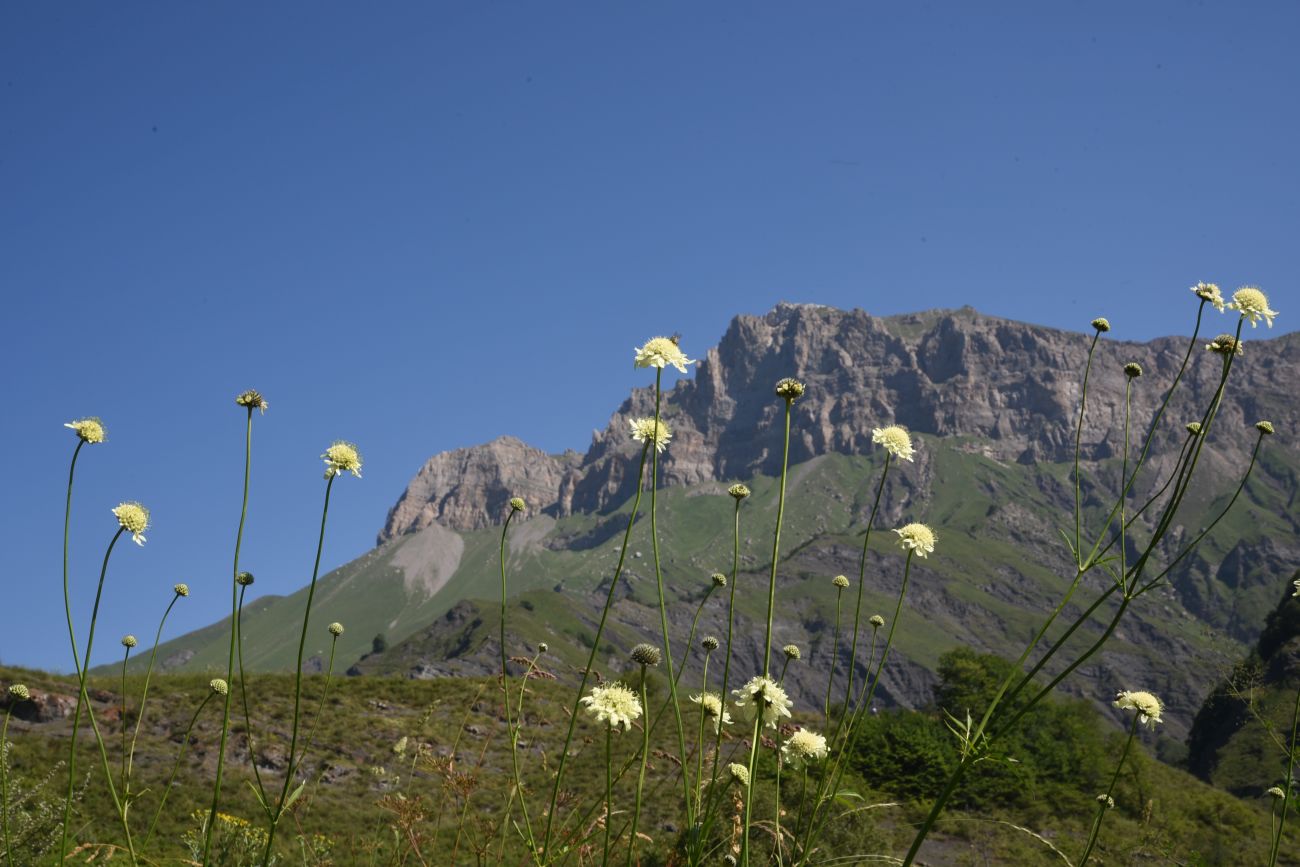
<point x="182" y="589"/>
<point x="764" y="697"/>
<point x="1102" y="324"/>
<point x="1297" y="587"/>
<point x="336" y="629"/>
<point x="739" y="774"/>
<point x="134" y="518"/>
<point x="1103" y="798"/>
<point x="840" y="581"/>
<point x="661" y="352"/>
<point x="789" y="388"/>
<point x="918" y="538"/>
<point x="1194" y="428"/>
<point x="218" y="686"/>
<point x="711" y="706"/>
<point x="1264" y="427"/>
<point x="1226" y="344"/>
<point x="129" y="641"/>
<point x="803" y="747"/>
<point x="718" y="579"/>
<point x="19" y="691"/>
<point x="342" y="457"/>
<point x="252" y="400"/>
<point x="1276" y="792"/>
<point x="896" y="440"/>
<point x="709" y="643"/>
<point x="615" y="705"/>
<point x="649" y="430"/>
<point x="1148" y="707"/>
<point x="877" y="621"/>
<point x="1253" y="305"/>
<point x="1132" y="370"/>
<point x="517" y="504"/>
<point x="792" y="651"/>
<point x="1209" y="292"/>
<point x="738" y="491"/>
<point x="90" y="429"/>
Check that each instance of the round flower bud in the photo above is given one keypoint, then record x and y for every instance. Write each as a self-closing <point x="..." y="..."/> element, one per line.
<point x="1107" y="800"/>
<point x="1102" y="324"/>
<point x="1132" y="370"/>
<point x="251" y="400"/>
<point x="840" y="581"/>
<point x="646" y="654"/>
<point x="738" y="491"/>
<point x="1194" y="428"/>
<point x="1264" y="427"/>
<point x="709" y="643"/>
<point x="336" y="629"/>
<point x="517" y="504"/>
<point x="182" y="589"/>
<point x="877" y="621"/>
<point x="244" y="579"/>
<point x="1226" y="344"/>
<point x="719" y="580"/>
<point x="129" y="641"/>
<point x="1276" y="792"/>
<point x="739" y="774"/>
<point x="90" y="429"/>
<point x="542" y="647"/>
<point x="729" y="860"/>
<point x="791" y="651"/>
<point x="789" y="388"/>
<point x="218" y="686"/>
<point x="19" y="692"/>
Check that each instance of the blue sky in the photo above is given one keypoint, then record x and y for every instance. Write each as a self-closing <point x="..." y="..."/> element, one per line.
<point x="420" y="226"/>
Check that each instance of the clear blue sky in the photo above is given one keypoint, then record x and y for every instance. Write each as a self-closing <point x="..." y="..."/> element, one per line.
<point x="419" y="226"/>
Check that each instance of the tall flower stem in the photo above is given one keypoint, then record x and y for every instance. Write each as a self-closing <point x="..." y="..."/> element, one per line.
<point x="243" y="696"/>
<point x="290" y="769"/>
<point x="1287" y="775"/>
<point x="862" y="582"/>
<point x="234" y="634"/>
<point x="76" y="664"/>
<point x="1078" y="437"/>
<point x="126" y="657"/>
<point x="185" y="742"/>
<point x="609" y="788"/>
<point x="1104" y="802"/>
<point x="591" y="658"/>
<point x="663" y="608"/>
<point x="4" y="782"/>
<point x="640" y="779"/>
<point x="144" y="697"/>
<point x="511" y="729"/>
<point x="835" y="656"/>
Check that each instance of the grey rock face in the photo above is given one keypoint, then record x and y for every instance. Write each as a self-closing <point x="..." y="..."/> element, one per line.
<point x="1012" y="386"/>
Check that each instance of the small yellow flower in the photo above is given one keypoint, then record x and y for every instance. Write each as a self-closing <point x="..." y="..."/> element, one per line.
<point x="1297" y="587"/>
<point x="542" y="647"/>
<point x="738" y="491"/>
<point x="896" y="440"/>
<point x="840" y="581"/>
<point x="803" y="747"/>
<point x="615" y="705"/>
<point x="90" y="429"/>
<point x="19" y="692"/>
<point x="1102" y="324"/>
<point x="1194" y="428"/>
<point x="252" y="400"/>
<point x="1264" y="427"/>
<point x="1226" y="344"/>
<point x="918" y="538"/>
<point x="790" y="389"/>
<point x="1107" y="800"/>
<point x="1253" y="305"/>
<point x="1276" y="792"/>
<point x="1209" y="292"/>
<point x="336" y="629"/>
<point x="739" y="774"/>
<point x="791" y="651"/>
<point x="661" y="352"/>
<point x="1148" y="707"/>
<point x="711" y="706"/>
<point x="129" y="641"/>
<point x="877" y="621"/>
<point x="517" y="504"/>
<point x="182" y="589"/>
<point x="342" y="457"/>
<point x="134" y="518"/>
<point x="718" y="579"/>
<point x="218" y="686"/>
<point x="649" y="430"/>
<point x="765" y="697"/>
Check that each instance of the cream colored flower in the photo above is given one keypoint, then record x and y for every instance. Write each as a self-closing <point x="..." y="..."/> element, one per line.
<point x="803" y="747"/>
<point x="19" y="691"/>
<point x="739" y="774"/>
<point x="218" y="686"/>
<point x="134" y="518"/>
<point x="1102" y="324"/>
<point x="877" y="621"/>
<point x="90" y="429"/>
<point x="1194" y="428"/>
<point x="1226" y="344"/>
<point x="896" y="440"/>
<point x="1209" y="292"/>
<point x="789" y="388"/>
<point x="709" y="643"/>
<point x="615" y="705"/>
<point x="1148" y="707"/>
<point x="182" y="589"/>
<point x="1276" y="792"/>
<point x="648" y="430"/>
<point x="1253" y="305"/>
<point x="661" y="352"/>
<point x="252" y="400"/>
<point x="738" y="491"/>
<point x="1297" y="587"/>
<point x="129" y="641"/>
<point x="1107" y="800"/>
<point x="718" y="579"/>
<point x="840" y="581"/>
<point x="918" y="538"/>
<point x="342" y="457"/>
<point x="1264" y="427"/>
<point x="762" y="696"/>
<point x="711" y="706"/>
<point x="517" y="504"/>
<point x="336" y="629"/>
<point x="791" y="651"/>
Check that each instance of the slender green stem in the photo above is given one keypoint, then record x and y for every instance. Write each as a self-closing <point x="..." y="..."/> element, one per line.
<point x="862" y="582"/>
<point x="290" y="768"/>
<point x="690" y="636"/>
<point x="1104" y="802"/>
<point x="663" y="608"/>
<point x="4" y="781"/>
<point x="320" y="706"/>
<point x="1078" y="435"/>
<point x="76" y="664"/>
<point x="591" y="658"/>
<point x="640" y="778"/>
<point x="699" y="737"/>
<point x="749" y="788"/>
<point x="126" y="657"/>
<point x="243" y="696"/>
<point x="511" y="729"/>
<point x="185" y="742"/>
<point x="1288" y="774"/>
<point x="144" y="697"/>
<point x="835" y="655"/>
<point x="1123" y="475"/>
<point x="234" y="634"/>
<point x="776" y="821"/>
<point x="609" y="788"/>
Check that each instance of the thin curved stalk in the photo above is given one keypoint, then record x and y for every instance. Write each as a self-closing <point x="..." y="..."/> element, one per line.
<point x="4" y="783"/>
<point x="640" y="779"/>
<point x="609" y="788"/>
<point x="297" y="681"/>
<point x="1276" y="845"/>
<point x="243" y="696"/>
<point x="862" y="581"/>
<point x="144" y="697"/>
<point x="591" y="658"/>
<point x="1103" y="804"/>
<point x="185" y="742"/>
<point x="1078" y="436"/>
<point x="835" y="656"/>
<point x="505" y="689"/>
<point x="320" y="706"/>
<point x="76" y="664"/>
<point x="234" y="634"/>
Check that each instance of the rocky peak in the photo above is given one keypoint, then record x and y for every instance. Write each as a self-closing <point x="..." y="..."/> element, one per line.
<point x="1012" y="386"/>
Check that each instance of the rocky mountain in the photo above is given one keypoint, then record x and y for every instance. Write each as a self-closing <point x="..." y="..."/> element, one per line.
<point x="992" y="406"/>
